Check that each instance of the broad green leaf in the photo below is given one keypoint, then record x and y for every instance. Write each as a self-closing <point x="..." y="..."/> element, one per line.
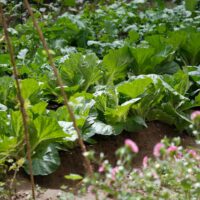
<point x="120" y="113"/>
<point x="161" y="115"/>
<point x="8" y="145"/>
<point x="45" y="160"/>
<point x="115" y="64"/>
<point x="157" y="59"/>
<point x="133" y="36"/>
<point x="46" y="129"/>
<point x="191" y="5"/>
<point x="164" y="96"/>
<point x="167" y="68"/>
<point x="176" y="38"/>
<point x="73" y="177"/>
<point x="135" y="88"/>
<point x="190" y="49"/>
<point x="30" y="90"/>
<point x="179" y="81"/>
<point x="16" y="124"/>
<point x="4" y="60"/>
<point x="170" y="115"/>
<point x="69" y="2"/>
<point x="197" y="99"/>
<point x="102" y="129"/>
<point x="186" y="184"/>
<point x="39" y="108"/>
<point x="7" y="91"/>
<point x="105" y="97"/>
<point x="194" y="73"/>
<point x="134" y="123"/>
<point x="68" y="128"/>
<point x="61" y="114"/>
<point x="118" y="128"/>
<point x="99" y="128"/>
<point x="156" y="41"/>
<point x="5" y="126"/>
<point x="65" y="24"/>
<point x="142" y="57"/>
<point x="160" y="3"/>
<point x="82" y="106"/>
<point x="82" y="71"/>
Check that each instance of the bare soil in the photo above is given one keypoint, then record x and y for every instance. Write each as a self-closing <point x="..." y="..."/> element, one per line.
<point x="71" y="162"/>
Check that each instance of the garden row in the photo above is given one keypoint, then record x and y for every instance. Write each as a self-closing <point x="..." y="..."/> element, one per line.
<point x="121" y="66"/>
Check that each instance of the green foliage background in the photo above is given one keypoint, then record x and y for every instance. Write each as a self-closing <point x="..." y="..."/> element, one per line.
<point x="123" y="64"/>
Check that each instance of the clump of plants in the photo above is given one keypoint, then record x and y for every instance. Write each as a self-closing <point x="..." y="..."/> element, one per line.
<point x="195" y="126"/>
<point x="172" y="173"/>
<point x="120" y="65"/>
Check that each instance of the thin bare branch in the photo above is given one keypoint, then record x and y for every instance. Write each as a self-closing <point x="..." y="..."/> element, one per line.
<point x="20" y="99"/>
<point x="87" y="163"/>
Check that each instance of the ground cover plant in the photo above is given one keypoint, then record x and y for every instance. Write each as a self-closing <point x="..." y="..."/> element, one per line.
<point x="172" y="174"/>
<point x="122" y="65"/>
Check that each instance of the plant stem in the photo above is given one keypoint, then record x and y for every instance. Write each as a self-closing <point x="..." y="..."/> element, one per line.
<point x="20" y="99"/>
<point x="87" y="163"/>
<point x="13" y="180"/>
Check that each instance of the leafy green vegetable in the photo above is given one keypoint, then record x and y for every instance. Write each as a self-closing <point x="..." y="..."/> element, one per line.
<point x="46" y="129"/>
<point x="30" y="90"/>
<point x="45" y="161"/>
<point x="190" y="49"/>
<point x="191" y="4"/>
<point x="115" y="64"/>
<point x="121" y="65"/>
<point x="151" y="60"/>
<point x="7" y="90"/>
<point x="135" y="88"/>
<point x="81" y="71"/>
<point x="7" y="146"/>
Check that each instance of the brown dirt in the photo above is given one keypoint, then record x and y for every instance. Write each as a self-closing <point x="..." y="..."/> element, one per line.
<point x="72" y="161"/>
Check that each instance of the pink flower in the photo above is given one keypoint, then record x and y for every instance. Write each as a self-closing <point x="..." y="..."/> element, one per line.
<point x="193" y="153"/>
<point x="179" y="155"/>
<point x="155" y="175"/>
<point x="101" y="169"/>
<point x="145" y="162"/>
<point x="157" y="148"/>
<point x="132" y="145"/>
<point x="172" y="149"/>
<point x="195" y="114"/>
<point x="113" y="172"/>
<point x="90" y="189"/>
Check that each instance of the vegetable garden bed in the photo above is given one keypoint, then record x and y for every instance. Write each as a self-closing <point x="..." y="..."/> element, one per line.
<point x="70" y="161"/>
<point x="75" y="73"/>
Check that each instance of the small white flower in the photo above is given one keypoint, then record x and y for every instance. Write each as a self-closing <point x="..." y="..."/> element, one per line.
<point x="195" y="132"/>
<point x="157" y="166"/>
<point x="197" y="185"/>
<point x="106" y="162"/>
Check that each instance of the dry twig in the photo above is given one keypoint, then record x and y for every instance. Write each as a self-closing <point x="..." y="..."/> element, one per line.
<point x="20" y="99"/>
<point x="87" y="162"/>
